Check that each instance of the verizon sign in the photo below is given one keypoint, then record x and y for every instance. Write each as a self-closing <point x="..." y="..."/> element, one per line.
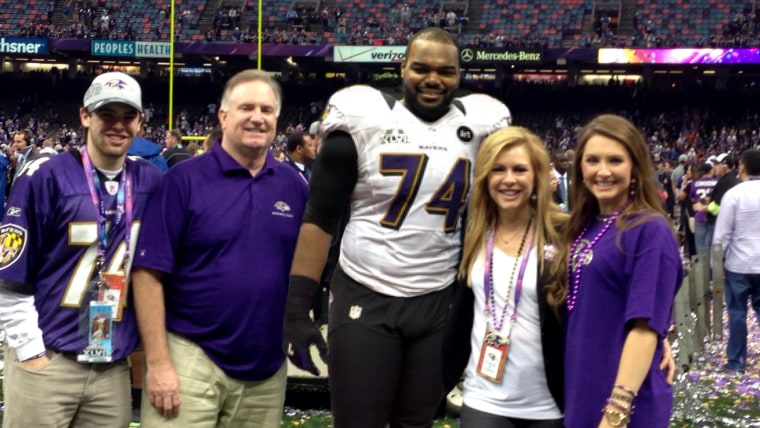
<point x="376" y="54"/>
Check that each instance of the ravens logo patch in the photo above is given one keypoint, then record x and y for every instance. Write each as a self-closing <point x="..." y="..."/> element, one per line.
<point x="12" y="243"/>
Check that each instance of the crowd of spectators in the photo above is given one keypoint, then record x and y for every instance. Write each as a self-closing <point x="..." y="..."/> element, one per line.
<point x="741" y="31"/>
<point x="304" y="25"/>
<point x="709" y="127"/>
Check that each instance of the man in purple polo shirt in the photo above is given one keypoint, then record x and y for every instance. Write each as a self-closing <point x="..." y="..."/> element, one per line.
<point x="211" y="272"/>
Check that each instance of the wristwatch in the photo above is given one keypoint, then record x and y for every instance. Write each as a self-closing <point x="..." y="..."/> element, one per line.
<point x="616" y="418"/>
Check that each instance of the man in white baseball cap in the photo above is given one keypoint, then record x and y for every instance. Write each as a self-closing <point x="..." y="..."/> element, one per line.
<point x="73" y="218"/>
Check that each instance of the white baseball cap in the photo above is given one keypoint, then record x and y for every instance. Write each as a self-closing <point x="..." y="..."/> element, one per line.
<point x="113" y="87"/>
<point x="314" y="128"/>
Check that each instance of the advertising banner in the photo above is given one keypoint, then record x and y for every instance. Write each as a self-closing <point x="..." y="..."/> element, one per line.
<point x="376" y="54"/>
<point x="497" y="56"/>
<point x="23" y="45"/>
<point x="679" y="56"/>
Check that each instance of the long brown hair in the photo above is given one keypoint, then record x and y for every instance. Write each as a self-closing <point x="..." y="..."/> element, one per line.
<point x="645" y="204"/>
<point x="482" y="211"/>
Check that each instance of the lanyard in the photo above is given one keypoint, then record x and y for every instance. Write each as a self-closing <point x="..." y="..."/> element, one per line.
<point x="123" y="207"/>
<point x="488" y="281"/>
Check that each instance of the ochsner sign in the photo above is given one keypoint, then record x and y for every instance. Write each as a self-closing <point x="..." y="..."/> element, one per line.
<point x="23" y="45"/>
<point x="382" y="54"/>
<point x="500" y="56"/>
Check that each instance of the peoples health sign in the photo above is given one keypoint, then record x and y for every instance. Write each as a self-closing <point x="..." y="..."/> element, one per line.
<point x="128" y="48"/>
<point x="23" y="45"/>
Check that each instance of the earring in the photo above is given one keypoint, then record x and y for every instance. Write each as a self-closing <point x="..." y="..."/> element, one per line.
<point x="632" y="189"/>
<point x="533" y="197"/>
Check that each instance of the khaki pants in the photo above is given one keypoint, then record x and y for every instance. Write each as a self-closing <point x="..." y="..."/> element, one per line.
<point x="66" y="393"/>
<point x="211" y="399"/>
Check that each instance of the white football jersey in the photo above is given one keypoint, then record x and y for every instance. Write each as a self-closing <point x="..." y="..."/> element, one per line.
<point x="403" y="238"/>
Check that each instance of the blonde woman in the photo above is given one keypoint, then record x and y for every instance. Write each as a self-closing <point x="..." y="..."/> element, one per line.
<point x="513" y="375"/>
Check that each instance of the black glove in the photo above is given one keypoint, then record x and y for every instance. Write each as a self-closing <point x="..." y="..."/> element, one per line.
<point x="300" y="331"/>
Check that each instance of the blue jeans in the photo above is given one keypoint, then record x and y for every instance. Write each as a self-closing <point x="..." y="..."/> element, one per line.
<point x="703" y="234"/>
<point x="739" y="287"/>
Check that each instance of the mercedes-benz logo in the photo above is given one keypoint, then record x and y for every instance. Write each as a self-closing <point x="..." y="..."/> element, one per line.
<point x="467" y="55"/>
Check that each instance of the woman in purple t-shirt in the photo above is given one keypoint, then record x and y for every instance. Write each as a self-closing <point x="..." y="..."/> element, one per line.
<point x="624" y="269"/>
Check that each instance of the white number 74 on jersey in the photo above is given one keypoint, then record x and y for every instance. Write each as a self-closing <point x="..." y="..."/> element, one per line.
<point x="86" y="234"/>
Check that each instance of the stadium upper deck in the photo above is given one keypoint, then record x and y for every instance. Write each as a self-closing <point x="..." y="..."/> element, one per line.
<point x="554" y="23"/>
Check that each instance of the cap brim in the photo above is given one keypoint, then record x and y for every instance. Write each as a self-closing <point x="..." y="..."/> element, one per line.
<point x="100" y="103"/>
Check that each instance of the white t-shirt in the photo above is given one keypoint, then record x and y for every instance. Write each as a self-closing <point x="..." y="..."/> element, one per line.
<point x="523" y="392"/>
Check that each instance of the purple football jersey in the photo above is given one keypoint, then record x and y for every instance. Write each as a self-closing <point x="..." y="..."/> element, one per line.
<point x="632" y="276"/>
<point x="50" y="245"/>
<point x="701" y="188"/>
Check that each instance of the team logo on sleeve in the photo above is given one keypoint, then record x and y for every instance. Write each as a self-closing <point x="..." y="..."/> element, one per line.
<point x="12" y="244"/>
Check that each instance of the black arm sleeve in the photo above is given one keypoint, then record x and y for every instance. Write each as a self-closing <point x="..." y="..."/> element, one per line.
<point x="17" y="287"/>
<point x="333" y="178"/>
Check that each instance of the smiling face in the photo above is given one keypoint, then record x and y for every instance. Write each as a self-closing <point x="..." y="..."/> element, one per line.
<point x="430" y="74"/>
<point x="249" y="118"/>
<point x="606" y="168"/>
<point x="19" y="142"/>
<point x="511" y="180"/>
<point x="110" y="131"/>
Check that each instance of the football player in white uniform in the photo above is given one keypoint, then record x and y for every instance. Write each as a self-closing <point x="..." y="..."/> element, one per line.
<point x="405" y="168"/>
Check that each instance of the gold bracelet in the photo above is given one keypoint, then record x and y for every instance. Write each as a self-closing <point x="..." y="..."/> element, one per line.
<point x="621" y="397"/>
<point x="626" y="389"/>
<point x="616" y="418"/>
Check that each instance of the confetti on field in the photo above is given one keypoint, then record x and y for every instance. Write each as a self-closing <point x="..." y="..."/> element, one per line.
<point x="710" y="396"/>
